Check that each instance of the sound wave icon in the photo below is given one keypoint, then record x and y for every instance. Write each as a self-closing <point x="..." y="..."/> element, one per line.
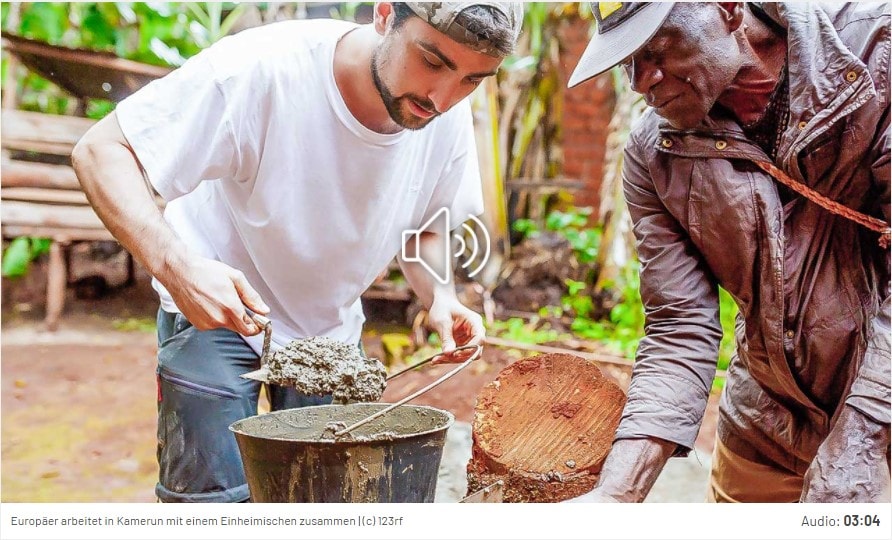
<point x="440" y="222"/>
<point x="475" y="246"/>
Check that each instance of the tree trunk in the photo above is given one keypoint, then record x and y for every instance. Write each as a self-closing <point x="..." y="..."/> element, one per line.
<point x="544" y="427"/>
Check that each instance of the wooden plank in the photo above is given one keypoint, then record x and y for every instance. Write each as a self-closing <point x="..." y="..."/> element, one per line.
<point x="67" y="234"/>
<point x="43" y="195"/>
<point x="39" y="175"/>
<point x="48" y="215"/>
<point x="56" y="280"/>
<point x="38" y="132"/>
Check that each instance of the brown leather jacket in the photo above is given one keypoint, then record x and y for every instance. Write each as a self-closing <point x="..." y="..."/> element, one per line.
<point x="813" y="288"/>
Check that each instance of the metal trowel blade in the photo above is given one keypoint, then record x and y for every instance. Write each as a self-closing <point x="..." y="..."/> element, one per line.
<point x="261" y="375"/>
<point x="492" y="493"/>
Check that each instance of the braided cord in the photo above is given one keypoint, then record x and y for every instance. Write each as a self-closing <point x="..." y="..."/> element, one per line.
<point x="872" y="223"/>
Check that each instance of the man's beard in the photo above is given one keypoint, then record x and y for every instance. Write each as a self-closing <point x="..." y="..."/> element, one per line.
<point x="397" y="106"/>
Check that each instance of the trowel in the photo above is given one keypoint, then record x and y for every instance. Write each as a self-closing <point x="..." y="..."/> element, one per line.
<point x="262" y="374"/>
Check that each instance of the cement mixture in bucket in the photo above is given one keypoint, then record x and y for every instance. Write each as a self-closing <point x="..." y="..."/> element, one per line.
<point x="321" y="365"/>
<point x="314" y="424"/>
<point x="395" y="457"/>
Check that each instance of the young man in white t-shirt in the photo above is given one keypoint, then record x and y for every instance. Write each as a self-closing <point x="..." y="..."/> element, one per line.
<point x="292" y="157"/>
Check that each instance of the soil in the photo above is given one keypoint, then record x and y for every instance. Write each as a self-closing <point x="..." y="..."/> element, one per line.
<point x="78" y="406"/>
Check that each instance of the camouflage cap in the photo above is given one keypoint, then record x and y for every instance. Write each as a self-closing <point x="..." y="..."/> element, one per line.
<point x="442" y="15"/>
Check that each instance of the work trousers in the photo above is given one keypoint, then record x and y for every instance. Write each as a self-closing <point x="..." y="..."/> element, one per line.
<point x="200" y="393"/>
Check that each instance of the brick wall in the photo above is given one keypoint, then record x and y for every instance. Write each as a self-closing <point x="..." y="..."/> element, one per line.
<point x="586" y="115"/>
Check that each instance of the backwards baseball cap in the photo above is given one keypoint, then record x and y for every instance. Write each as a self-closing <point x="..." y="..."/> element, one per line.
<point x="442" y="16"/>
<point x="623" y="28"/>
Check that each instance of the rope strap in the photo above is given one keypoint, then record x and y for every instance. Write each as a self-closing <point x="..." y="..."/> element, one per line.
<point x="872" y="223"/>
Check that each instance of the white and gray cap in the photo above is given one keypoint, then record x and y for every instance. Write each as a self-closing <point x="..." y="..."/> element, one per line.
<point x="442" y="15"/>
<point x="622" y="29"/>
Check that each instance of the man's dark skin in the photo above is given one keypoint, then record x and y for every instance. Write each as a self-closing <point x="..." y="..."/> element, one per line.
<point x="719" y="57"/>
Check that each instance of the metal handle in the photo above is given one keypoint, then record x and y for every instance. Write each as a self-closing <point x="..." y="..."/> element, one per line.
<point x="267" y="326"/>
<point x="428" y="359"/>
<point x="416" y="394"/>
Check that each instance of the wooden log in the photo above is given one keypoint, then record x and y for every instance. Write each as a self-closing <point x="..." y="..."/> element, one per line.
<point x="49" y="215"/>
<point x="544" y="427"/>
<point x="43" y="195"/>
<point x="63" y="234"/>
<point x="57" y="278"/>
<point x="39" y="175"/>
<point x="39" y="132"/>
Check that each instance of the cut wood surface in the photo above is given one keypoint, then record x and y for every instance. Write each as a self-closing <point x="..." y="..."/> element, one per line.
<point x="544" y="426"/>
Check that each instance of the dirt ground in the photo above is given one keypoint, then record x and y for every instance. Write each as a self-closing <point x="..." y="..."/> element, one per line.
<point x="79" y="404"/>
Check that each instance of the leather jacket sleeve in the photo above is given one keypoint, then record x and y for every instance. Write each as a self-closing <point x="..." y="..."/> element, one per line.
<point x="676" y="360"/>
<point x="870" y="391"/>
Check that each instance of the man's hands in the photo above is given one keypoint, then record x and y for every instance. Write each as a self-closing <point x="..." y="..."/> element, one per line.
<point x="457" y="326"/>
<point x="850" y="465"/>
<point x="630" y="470"/>
<point x="211" y="294"/>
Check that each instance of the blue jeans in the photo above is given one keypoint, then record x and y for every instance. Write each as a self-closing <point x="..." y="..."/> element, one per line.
<point x="200" y="393"/>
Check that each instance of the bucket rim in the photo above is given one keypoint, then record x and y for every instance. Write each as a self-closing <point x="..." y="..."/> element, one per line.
<point x="450" y="420"/>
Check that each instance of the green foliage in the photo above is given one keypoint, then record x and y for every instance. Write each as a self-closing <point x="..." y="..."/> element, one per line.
<point x="159" y="33"/>
<point x="21" y="252"/>
<point x="625" y="326"/>
<point x="572" y="225"/>
<point x="532" y="332"/>
<point x="728" y="313"/>
<point x="526" y="227"/>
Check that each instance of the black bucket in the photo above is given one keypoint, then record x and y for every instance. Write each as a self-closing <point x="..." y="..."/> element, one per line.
<point x="394" y="458"/>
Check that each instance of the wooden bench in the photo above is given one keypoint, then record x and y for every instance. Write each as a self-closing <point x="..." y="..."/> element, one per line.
<point x="41" y="195"/>
<point x="40" y="192"/>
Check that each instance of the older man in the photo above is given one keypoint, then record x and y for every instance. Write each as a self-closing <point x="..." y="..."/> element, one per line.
<point x="762" y="167"/>
<point x="292" y="157"/>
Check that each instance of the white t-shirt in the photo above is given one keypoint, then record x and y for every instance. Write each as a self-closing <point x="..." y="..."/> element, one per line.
<point x="265" y="169"/>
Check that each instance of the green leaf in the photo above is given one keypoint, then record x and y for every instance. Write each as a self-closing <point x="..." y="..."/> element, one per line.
<point x="39" y="246"/>
<point x="96" y="31"/>
<point x="17" y="257"/>
<point x="526" y="227"/>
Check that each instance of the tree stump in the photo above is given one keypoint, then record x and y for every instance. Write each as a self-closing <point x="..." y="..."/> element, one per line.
<point x="544" y="427"/>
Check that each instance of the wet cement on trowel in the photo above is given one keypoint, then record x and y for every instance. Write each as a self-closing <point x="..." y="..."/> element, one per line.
<point x="319" y="366"/>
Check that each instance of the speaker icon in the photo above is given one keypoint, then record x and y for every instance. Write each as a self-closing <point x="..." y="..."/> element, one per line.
<point x="469" y="246"/>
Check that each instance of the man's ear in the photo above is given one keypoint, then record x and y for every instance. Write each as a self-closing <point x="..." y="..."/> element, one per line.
<point x="732" y="14"/>
<point x="383" y="16"/>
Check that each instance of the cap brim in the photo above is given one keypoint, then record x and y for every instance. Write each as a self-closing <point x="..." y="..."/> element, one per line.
<point x="607" y="50"/>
